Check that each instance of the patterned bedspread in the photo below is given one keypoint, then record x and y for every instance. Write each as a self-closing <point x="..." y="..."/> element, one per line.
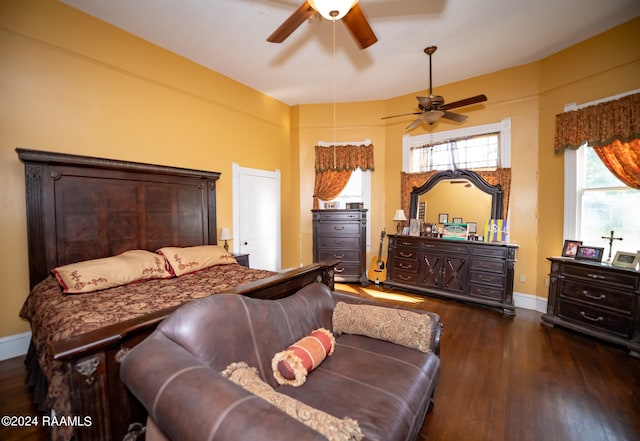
<point x="55" y="316"/>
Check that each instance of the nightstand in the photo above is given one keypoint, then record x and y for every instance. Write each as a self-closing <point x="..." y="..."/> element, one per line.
<point x="242" y="259"/>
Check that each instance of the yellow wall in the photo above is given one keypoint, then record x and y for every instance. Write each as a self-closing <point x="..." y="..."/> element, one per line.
<point x="71" y="83"/>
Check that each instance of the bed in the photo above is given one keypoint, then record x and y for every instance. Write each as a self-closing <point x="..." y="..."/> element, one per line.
<point x="82" y="208"/>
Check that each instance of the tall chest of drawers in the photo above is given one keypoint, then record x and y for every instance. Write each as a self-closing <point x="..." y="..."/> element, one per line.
<point x="342" y="234"/>
<point x="471" y="271"/>
<point x="596" y="299"/>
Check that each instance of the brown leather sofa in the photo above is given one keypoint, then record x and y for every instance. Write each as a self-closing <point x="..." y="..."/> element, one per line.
<point x="175" y="372"/>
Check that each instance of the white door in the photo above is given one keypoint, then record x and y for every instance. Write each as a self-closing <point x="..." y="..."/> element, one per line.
<point x="256" y="216"/>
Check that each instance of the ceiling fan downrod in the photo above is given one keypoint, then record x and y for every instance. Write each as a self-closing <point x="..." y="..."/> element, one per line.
<point x="429" y="51"/>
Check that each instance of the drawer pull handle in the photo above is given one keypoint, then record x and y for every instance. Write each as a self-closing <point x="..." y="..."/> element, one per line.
<point x="339" y="256"/>
<point x="596" y="276"/>
<point x="403" y="254"/>
<point x="593" y="319"/>
<point x="338" y="228"/>
<point x="405" y="266"/>
<point x="338" y="270"/>
<point x="429" y="246"/>
<point x="407" y="244"/>
<point x="600" y="297"/>
<point x="485" y="278"/>
<point x="400" y="276"/>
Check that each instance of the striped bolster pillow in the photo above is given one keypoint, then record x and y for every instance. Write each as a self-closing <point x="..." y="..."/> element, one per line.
<point x="292" y="365"/>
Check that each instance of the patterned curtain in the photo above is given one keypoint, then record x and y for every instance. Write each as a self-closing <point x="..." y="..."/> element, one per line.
<point x="334" y="165"/>
<point x="500" y="176"/>
<point x="612" y="128"/>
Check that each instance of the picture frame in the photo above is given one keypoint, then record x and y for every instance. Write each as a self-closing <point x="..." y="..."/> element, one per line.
<point x="443" y="218"/>
<point x="457" y="220"/>
<point x="589" y="253"/>
<point x="473" y="227"/>
<point x="414" y="227"/>
<point x="570" y="248"/>
<point x="626" y="259"/>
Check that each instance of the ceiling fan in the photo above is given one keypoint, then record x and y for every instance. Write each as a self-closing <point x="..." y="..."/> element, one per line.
<point x="347" y="10"/>
<point x="433" y="107"/>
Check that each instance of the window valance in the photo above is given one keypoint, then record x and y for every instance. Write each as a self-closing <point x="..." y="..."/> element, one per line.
<point x="344" y="157"/>
<point x="599" y="125"/>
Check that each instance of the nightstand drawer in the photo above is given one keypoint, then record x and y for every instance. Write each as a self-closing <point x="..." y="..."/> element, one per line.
<point x="603" y="275"/>
<point x="598" y="296"/>
<point x="596" y="318"/>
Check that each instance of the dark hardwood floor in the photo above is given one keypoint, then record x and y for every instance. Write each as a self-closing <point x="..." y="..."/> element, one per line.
<point x="502" y="378"/>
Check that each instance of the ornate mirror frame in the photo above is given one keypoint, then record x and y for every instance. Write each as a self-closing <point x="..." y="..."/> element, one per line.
<point x="494" y="190"/>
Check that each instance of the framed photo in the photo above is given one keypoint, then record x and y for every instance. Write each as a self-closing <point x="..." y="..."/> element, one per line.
<point x="472" y="227"/>
<point x="589" y="253"/>
<point x="625" y="259"/>
<point x="414" y="227"/>
<point x="570" y="248"/>
<point x="443" y="218"/>
<point x="457" y="220"/>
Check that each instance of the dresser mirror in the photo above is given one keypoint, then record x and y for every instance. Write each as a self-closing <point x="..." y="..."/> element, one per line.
<point x="461" y="194"/>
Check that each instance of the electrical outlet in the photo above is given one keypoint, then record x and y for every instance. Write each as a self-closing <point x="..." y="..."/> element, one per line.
<point x="523" y="278"/>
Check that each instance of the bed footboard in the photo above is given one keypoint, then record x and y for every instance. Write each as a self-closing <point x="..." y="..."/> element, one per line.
<point x="93" y="359"/>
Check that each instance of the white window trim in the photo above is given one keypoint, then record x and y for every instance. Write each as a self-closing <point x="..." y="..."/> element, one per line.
<point x="573" y="168"/>
<point x="366" y="183"/>
<point x="504" y="127"/>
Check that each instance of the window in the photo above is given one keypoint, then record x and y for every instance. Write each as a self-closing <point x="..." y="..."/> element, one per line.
<point x="598" y="203"/>
<point x="484" y="147"/>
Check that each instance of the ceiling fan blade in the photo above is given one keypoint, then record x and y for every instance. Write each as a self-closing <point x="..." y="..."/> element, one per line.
<point x="464" y="102"/>
<point x="292" y="23"/>
<point x="402" y="114"/>
<point x="359" y="27"/>
<point x="425" y="102"/>
<point x="457" y="117"/>
<point x="414" y="124"/>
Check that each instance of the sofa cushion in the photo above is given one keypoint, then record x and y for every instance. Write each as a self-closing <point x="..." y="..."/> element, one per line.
<point x="407" y="328"/>
<point x="292" y="365"/>
<point x="386" y="387"/>
<point x="335" y="429"/>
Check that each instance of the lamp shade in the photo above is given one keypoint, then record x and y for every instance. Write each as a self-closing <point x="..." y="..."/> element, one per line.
<point x="332" y="9"/>
<point x="225" y="234"/>
<point x="399" y="216"/>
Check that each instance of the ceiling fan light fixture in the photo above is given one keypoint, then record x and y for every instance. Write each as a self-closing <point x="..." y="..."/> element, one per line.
<point x="332" y="9"/>
<point x="431" y="116"/>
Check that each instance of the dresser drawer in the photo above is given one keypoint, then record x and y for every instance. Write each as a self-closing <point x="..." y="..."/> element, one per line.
<point x="445" y="247"/>
<point x="345" y="269"/>
<point x="336" y="229"/>
<point x="404" y="253"/>
<point x="348" y="255"/>
<point x="404" y="277"/>
<point x="489" y="251"/>
<point x="404" y="242"/>
<point x="492" y="293"/>
<point x="497" y="280"/>
<point x="339" y="216"/>
<point x="405" y="265"/>
<point x="494" y="266"/>
<point x="345" y="243"/>
<point x="603" y="275"/>
<point x="597" y="296"/>
<point x="594" y="317"/>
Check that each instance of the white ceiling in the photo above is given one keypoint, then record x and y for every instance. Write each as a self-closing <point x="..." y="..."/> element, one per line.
<point x="473" y="38"/>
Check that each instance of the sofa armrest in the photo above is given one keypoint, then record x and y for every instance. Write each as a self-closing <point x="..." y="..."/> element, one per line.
<point x="436" y="324"/>
<point x="189" y="401"/>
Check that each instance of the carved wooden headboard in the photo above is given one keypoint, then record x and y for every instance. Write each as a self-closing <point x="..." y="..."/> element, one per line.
<point x="81" y="208"/>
